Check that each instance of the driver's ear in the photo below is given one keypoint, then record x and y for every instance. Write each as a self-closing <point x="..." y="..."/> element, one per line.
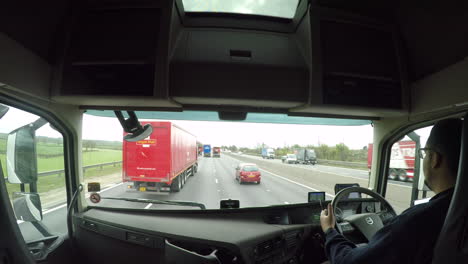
<point x="435" y="159"/>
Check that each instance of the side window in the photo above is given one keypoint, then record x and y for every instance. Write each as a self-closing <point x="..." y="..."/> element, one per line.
<point x="405" y="167"/>
<point x="31" y="155"/>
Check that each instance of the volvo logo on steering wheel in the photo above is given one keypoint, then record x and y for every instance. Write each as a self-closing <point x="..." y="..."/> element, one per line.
<point x="369" y="220"/>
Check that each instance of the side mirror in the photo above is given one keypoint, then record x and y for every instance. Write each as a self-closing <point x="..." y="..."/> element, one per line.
<point x="237" y="168"/>
<point x="27" y="206"/>
<point x="3" y="110"/>
<point x="21" y="155"/>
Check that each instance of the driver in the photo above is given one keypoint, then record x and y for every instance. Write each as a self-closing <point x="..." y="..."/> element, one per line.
<point x="411" y="236"/>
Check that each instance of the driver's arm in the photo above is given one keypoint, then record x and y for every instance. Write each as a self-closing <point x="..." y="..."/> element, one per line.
<point x="383" y="247"/>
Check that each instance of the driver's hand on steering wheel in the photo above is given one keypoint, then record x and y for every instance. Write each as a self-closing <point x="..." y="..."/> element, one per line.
<point x="327" y="218"/>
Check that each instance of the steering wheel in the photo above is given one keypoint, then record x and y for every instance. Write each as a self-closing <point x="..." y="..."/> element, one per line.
<point x="366" y="223"/>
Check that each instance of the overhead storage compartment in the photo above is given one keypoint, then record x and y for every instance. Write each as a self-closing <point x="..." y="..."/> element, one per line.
<point x="234" y="64"/>
<point x="116" y="49"/>
<point x="142" y="54"/>
<point x="356" y="61"/>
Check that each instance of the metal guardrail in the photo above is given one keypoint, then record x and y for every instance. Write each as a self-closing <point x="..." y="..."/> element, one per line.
<point x="60" y="172"/>
<point x="361" y="165"/>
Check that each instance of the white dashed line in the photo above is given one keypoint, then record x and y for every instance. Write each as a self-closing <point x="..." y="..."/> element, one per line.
<point x="400" y="185"/>
<point x="268" y="190"/>
<point x="65" y="204"/>
<point x="286" y="202"/>
<point x="54" y="209"/>
<point x="148" y="206"/>
<point x="300" y="184"/>
<point x="216" y="180"/>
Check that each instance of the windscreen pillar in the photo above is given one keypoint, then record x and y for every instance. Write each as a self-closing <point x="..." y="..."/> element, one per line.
<point x="417" y="167"/>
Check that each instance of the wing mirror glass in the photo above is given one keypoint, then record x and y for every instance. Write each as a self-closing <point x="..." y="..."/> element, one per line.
<point x="21" y="155"/>
<point x="27" y="206"/>
<point x="3" y="110"/>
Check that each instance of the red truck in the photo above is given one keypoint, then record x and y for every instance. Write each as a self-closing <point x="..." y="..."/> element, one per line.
<point x="216" y="152"/>
<point x="200" y="150"/>
<point x="402" y="160"/>
<point x="161" y="162"/>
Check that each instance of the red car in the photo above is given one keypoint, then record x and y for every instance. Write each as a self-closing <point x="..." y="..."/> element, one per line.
<point x="248" y="172"/>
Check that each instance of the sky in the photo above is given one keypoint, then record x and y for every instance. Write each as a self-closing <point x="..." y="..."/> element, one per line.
<point x="15" y="118"/>
<point x="244" y="134"/>
<point x="219" y="133"/>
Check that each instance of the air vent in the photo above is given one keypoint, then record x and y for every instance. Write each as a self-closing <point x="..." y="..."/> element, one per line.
<point x="268" y="250"/>
<point x="240" y="54"/>
<point x="291" y="239"/>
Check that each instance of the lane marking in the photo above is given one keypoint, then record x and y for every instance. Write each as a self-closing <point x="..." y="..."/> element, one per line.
<point x="300" y="184"/>
<point x="65" y="204"/>
<point x="358" y="178"/>
<point x="111" y="187"/>
<point x="268" y="190"/>
<point x="216" y="180"/>
<point x="341" y="175"/>
<point x="148" y="206"/>
<point x="352" y="177"/>
<point x="286" y="202"/>
<point x="399" y="185"/>
<point x="54" y="209"/>
<point x="328" y="166"/>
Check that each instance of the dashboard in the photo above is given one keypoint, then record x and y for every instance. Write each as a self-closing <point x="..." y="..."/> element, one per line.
<point x="348" y="207"/>
<point x="277" y="234"/>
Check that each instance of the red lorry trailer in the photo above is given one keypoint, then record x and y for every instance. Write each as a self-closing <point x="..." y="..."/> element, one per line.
<point x="216" y="152"/>
<point x="402" y="160"/>
<point x="161" y="162"/>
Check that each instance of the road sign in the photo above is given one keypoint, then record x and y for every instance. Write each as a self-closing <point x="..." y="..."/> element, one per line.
<point x="95" y="198"/>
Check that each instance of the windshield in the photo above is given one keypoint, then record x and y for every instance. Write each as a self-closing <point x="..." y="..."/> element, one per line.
<point x="250" y="168"/>
<point x="180" y="161"/>
<point x="273" y="8"/>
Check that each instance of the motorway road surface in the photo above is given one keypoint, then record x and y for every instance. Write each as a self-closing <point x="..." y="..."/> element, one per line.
<point x="362" y="174"/>
<point x="215" y="180"/>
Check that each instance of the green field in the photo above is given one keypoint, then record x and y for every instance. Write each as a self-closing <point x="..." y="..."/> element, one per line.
<point x="101" y="156"/>
<point x="53" y="182"/>
<point x="49" y="149"/>
<point x="89" y="158"/>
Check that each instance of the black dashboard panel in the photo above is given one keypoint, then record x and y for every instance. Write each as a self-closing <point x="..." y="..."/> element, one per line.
<point x="250" y="235"/>
<point x="276" y="234"/>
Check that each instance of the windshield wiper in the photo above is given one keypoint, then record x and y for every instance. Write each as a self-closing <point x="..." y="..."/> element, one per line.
<point x="138" y="200"/>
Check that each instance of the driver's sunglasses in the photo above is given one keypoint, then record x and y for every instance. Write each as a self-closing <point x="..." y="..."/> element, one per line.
<point x="423" y="152"/>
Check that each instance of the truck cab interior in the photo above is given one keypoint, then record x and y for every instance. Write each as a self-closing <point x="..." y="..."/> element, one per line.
<point x="398" y="66"/>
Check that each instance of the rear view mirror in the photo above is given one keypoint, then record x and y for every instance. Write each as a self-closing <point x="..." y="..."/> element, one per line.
<point x="132" y="126"/>
<point x="27" y="206"/>
<point x="21" y="155"/>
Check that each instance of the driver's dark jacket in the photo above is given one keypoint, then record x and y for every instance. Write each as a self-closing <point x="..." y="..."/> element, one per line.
<point x="408" y="238"/>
